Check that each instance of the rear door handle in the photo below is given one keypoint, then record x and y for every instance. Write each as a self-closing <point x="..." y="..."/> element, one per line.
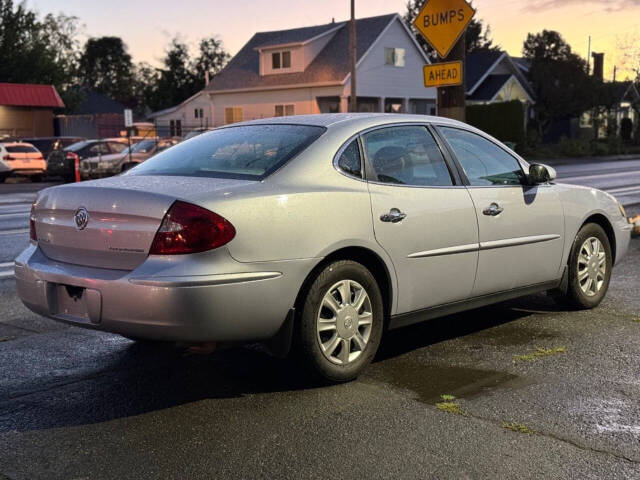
<point x="493" y="210"/>
<point x="394" y="216"/>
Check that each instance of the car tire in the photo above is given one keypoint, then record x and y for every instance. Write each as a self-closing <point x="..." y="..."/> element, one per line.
<point x="589" y="269"/>
<point x="36" y="178"/>
<point x="3" y="178"/>
<point x="337" y="339"/>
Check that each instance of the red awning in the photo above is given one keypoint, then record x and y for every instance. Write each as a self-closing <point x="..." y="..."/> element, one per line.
<point x="27" y="95"/>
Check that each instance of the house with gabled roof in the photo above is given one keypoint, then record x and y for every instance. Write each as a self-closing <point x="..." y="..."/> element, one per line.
<point x="494" y="76"/>
<point x="26" y="110"/>
<point x="306" y="70"/>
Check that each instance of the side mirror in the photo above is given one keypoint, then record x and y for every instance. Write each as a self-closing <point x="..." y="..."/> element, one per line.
<point x="539" y="173"/>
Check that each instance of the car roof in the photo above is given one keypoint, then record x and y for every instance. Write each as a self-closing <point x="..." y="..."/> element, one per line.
<point x="345" y="119"/>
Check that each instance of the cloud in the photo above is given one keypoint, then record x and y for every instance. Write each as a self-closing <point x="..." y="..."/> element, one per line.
<point x="607" y="5"/>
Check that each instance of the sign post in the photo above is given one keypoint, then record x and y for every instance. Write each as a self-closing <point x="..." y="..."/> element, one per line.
<point x="443" y="23"/>
<point x="128" y="123"/>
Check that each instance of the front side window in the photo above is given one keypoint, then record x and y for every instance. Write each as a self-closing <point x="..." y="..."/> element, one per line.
<point x="247" y="152"/>
<point x="484" y="162"/>
<point x="350" y="161"/>
<point x="99" y="149"/>
<point x="406" y="156"/>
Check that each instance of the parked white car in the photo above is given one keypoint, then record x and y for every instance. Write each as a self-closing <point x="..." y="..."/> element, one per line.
<point x="20" y="158"/>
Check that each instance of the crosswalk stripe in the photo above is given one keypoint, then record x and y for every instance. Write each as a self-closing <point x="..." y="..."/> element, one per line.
<point x="631" y="188"/>
<point x="6" y="264"/>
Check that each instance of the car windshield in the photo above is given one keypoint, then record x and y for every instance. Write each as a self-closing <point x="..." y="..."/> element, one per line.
<point x="244" y="152"/>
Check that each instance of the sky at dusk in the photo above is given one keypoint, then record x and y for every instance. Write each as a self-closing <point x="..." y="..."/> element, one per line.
<point x="148" y="25"/>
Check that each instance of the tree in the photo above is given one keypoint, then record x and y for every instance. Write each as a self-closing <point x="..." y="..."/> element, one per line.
<point x="37" y="51"/>
<point x="477" y="35"/>
<point x="106" y="67"/>
<point x="559" y="78"/>
<point x="211" y="59"/>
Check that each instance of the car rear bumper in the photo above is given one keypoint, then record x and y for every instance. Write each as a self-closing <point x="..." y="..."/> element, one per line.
<point x="247" y="302"/>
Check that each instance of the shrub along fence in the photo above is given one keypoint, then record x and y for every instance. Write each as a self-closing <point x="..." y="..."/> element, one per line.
<point x="504" y="120"/>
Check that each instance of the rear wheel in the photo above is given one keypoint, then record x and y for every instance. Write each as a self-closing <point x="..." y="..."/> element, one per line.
<point x="36" y="178"/>
<point x="3" y="177"/>
<point x="590" y="263"/>
<point x="341" y="322"/>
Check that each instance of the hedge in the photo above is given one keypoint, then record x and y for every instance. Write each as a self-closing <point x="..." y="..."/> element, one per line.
<point x="505" y="120"/>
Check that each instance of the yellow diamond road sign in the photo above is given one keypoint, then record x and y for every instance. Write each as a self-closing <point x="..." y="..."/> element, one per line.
<point x="441" y="22"/>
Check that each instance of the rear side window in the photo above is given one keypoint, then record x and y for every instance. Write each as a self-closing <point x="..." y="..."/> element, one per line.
<point x="406" y="156"/>
<point x="246" y="152"/>
<point x="484" y="162"/>
<point x="21" y="149"/>
<point x="350" y="161"/>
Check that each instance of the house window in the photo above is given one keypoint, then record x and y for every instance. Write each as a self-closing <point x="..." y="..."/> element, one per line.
<point x="232" y="115"/>
<point x="195" y="112"/>
<point x="175" y="128"/>
<point x="281" y="60"/>
<point x="285" y="110"/>
<point x="394" y="57"/>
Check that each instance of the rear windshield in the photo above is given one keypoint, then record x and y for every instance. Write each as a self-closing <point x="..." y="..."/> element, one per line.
<point x="246" y="152"/>
<point x="21" y="149"/>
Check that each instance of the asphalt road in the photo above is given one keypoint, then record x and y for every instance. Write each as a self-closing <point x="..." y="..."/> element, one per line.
<point x="539" y="392"/>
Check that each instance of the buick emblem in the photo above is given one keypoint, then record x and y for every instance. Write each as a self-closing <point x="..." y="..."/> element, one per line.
<point x="81" y="218"/>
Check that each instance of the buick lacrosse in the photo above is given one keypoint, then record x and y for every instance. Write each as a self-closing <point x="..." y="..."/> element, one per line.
<point x="315" y="233"/>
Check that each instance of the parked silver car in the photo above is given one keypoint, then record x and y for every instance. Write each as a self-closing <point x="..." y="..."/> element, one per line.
<point x="317" y="232"/>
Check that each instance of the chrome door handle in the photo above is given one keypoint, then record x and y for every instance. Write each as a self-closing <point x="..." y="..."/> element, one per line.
<point x="394" y="216"/>
<point x="493" y="210"/>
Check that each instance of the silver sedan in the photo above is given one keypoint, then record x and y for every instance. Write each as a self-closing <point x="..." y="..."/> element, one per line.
<point x="316" y="233"/>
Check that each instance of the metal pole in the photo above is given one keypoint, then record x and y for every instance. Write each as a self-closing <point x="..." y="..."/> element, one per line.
<point x="589" y="57"/>
<point x="452" y="100"/>
<point x="353" y="104"/>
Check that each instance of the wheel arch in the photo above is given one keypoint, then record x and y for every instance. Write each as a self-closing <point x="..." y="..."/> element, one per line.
<point x="370" y="259"/>
<point x="603" y="221"/>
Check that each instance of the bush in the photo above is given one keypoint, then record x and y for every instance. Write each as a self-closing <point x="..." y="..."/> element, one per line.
<point x="571" y="147"/>
<point x="505" y="120"/>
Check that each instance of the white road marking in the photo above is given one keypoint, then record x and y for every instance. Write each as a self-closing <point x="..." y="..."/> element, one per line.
<point x="6" y="274"/>
<point x="14" y="231"/>
<point x="630" y="189"/>
<point x="14" y="206"/>
<point x="603" y="175"/>
<point x="6" y="216"/>
<point x="6" y="264"/>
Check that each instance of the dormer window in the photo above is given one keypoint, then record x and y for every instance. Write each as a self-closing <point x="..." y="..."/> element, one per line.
<point x="281" y="60"/>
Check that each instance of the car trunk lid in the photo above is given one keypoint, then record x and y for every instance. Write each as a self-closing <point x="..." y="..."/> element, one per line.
<point x="122" y="213"/>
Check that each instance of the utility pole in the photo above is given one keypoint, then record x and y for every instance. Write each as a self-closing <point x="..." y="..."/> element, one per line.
<point x="353" y="103"/>
<point x="589" y="57"/>
<point x="452" y="100"/>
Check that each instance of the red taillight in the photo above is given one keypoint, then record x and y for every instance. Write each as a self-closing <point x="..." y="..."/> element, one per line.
<point x="187" y="228"/>
<point x="32" y="224"/>
<point x="8" y="157"/>
<point x="72" y="155"/>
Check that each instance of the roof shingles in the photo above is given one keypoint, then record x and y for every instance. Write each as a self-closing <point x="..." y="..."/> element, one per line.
<point x="330" y="65"/>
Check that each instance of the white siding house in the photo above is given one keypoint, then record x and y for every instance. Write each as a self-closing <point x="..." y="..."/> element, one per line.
<point x="194" y="113"/>
<point x="306" y="70"/>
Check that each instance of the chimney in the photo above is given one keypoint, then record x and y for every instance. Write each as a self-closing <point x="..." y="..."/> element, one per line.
<point x="206" y="78"/>
<point x="598" y="65"/>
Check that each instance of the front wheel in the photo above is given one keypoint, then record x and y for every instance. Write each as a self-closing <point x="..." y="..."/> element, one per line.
<point x="341" y="322"/>
<point x="590" y="264"/>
